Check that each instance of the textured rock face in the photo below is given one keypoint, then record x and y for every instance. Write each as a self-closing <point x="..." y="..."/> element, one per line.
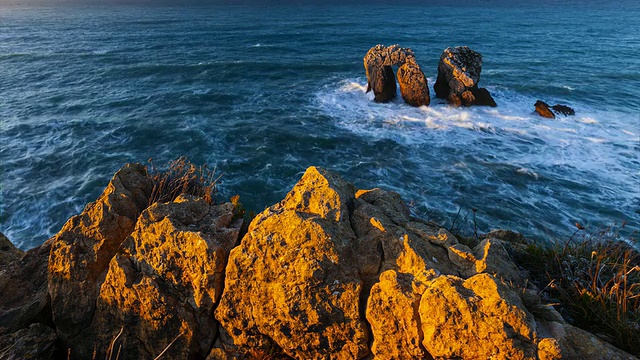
<point x="413" y="85"/>
<point x="458" y="76"/>
<point x="292" y="279"/>
<point x="380" y="79"/>
<point x="477" y="318"/>
<point x="23" y="280"/>
<point x="81" y="251"/>
<point x="164" y="281"/>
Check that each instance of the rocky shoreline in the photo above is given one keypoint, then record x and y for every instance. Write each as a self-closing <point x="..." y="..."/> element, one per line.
<point x="330" y="272"/>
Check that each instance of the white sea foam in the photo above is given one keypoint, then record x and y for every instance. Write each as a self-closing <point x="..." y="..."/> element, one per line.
<point x="594" y="143"/>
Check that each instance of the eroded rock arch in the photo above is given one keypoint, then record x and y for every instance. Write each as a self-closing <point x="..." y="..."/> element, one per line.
<point x="380" y="78"/>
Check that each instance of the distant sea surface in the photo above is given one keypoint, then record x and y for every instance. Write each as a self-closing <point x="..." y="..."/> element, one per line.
<point x="264" y="91"/>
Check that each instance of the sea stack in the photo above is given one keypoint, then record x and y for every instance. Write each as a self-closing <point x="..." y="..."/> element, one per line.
<point x="458" y="76"/>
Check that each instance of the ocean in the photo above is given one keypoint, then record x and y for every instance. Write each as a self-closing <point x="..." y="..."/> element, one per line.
<point x="262" y="91"/>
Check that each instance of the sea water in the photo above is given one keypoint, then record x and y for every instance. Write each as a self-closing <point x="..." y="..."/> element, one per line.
<point x="262" y="91"/>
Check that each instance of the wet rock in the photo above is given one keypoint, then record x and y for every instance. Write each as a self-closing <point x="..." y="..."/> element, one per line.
<point x="458" y="76"/>
<point x="82" y="250"/>
<point x="563" y="109"/>
<point x="164" y="282"/>
<point x="413" y="85"/>
<point x="35" y="342"/>
<point x="25" y="299"/>
<point x="542" y="108"/>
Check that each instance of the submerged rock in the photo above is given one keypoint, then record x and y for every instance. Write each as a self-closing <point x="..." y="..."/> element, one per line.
<point x="563" y="109"/>
<point x="458" y="76"/>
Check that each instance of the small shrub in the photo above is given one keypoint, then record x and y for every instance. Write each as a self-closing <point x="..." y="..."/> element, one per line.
<point x="182" y="177"/>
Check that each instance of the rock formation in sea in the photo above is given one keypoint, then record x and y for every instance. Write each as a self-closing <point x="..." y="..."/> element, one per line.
<point x="378" y="64"/>
<point x="331" y="271"/>
<point x="458" y="76"/>
<point x="543" y="109"/>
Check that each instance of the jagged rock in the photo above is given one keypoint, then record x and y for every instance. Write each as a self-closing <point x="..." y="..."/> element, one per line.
<point x="35" y="342"/>
<point x="563" y="109"/>
<point x="8" y="251"/>
<point x="82" y="250"/>
<point x="380" y="79"/>
<point x="393" y="313"/>
<point x="542" y="108"/>
<point x="164" y="282"/>
<point x="477" y="318"/>
<point x="25" y="299"/>
<point x="292" y="280"/>
<point x="458" y="76"/>
<point x="413" y="85"/>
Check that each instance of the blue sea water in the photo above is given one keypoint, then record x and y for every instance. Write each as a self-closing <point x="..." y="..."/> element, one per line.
<point x="262" y="91"/>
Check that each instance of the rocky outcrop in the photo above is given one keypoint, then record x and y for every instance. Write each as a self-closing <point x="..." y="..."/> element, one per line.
<point x="543" y="109"/>
<point x="329" y="272"/>
<point x="164" y="281"/>
<point x="23" y="280"/>
<point x="458" y="76"/>
<point x="81" y="251"/>
<point x="413" y="84"/>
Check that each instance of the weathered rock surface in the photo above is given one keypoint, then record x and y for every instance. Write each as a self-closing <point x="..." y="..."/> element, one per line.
<point x="35" y="342"/>
<point x="413" y="85"/>
<point x="292" y="280"/>
<point x="329" y="272"/>
<point x="23" y="280"/>
<point x="380" y="79"/>
<point x="458" y="76"/>
<point x="82" y="250"/>
<point x="477" y="318"/>
<point x="164" y="282"/>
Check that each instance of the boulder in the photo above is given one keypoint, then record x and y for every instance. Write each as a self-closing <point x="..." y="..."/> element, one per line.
<point x="477" y="318"/>
<point x="81" y="251"/>
<point x="413" y="85"/>
<point x="34" y="342"/>
<point x="163" y="283"/>
<point x="542" y="108"/>
<point x="292" y="281"/>
<point x="458" y="76"/>
<point x="25" y="299"/>
<point x="380" y="79"/>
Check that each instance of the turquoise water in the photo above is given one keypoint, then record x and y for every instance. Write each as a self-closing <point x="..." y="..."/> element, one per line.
<point x="264" y="91"/>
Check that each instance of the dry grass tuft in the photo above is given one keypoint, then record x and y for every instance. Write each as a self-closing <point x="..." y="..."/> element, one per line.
<point x="597" y="283"/>
<point x="182" y="177"/>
